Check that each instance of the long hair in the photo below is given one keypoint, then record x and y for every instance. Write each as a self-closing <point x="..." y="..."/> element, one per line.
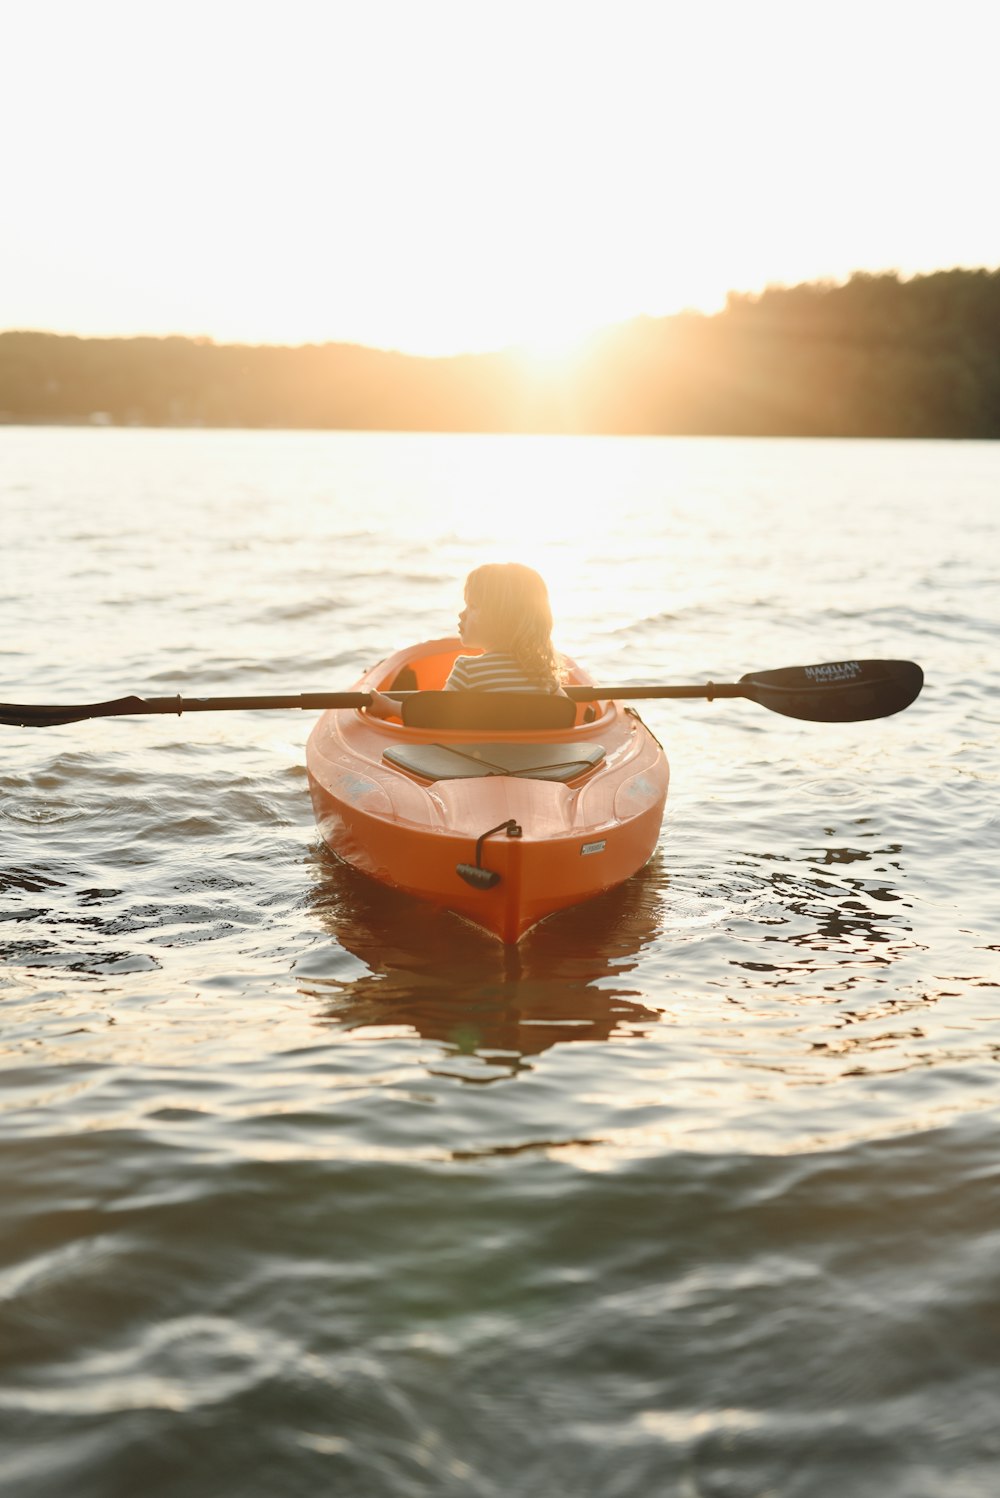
<point x="516" y="616"/>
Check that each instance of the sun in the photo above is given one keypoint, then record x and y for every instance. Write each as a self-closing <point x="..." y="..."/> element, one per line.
<point x="556" y="348"/>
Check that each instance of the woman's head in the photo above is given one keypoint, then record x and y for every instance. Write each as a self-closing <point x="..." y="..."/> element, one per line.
<point x="507" y="608"/>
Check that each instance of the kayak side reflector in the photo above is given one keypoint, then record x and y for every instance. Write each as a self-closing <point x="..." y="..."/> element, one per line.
<point x="479" y="878"/>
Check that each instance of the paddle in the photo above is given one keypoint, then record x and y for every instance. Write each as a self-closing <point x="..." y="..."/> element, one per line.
<point x="840" y="692"/>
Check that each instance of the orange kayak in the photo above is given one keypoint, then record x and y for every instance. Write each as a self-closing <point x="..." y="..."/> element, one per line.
<point x="502" y="824"/>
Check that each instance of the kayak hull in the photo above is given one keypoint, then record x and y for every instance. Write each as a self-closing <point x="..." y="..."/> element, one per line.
<point x="569" y="840"/>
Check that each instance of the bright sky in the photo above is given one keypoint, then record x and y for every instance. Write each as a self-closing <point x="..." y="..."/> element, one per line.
<point x="438" y="175"/>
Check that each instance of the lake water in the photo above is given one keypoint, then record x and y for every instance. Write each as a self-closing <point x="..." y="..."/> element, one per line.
<point x="309" y="1190"/>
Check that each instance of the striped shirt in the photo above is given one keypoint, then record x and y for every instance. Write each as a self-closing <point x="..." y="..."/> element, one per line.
<point x="493" y="672"/>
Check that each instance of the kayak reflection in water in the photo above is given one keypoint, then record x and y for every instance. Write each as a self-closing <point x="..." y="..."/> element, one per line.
<point x="507" y="620"/>
<point x="488" y="1007"/>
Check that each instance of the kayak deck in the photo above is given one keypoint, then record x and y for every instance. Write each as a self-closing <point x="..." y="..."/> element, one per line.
<point x="562" y="762"/>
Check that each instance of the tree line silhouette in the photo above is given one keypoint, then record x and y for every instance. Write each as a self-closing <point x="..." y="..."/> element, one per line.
<point x="877" y="356"/>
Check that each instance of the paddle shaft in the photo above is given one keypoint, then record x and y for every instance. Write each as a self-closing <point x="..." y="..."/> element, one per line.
<point x="648" y="694"/>
<point x="30" y="715"/>
<point x="318" y="701"/>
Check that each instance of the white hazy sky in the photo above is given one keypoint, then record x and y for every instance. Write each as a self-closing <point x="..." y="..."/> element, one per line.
<point x="437" y="175"/>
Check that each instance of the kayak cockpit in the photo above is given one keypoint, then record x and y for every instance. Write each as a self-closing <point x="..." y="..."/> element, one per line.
<point x="421" y="673"/>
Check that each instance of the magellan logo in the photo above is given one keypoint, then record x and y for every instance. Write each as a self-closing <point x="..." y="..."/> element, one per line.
<point x="838" y="671"/>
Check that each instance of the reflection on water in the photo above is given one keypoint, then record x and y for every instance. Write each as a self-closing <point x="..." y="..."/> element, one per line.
<point x="823" y="921"/>
<point x="430" y="972"/>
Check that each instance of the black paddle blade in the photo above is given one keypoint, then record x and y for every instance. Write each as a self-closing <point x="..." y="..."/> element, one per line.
<point x="25" y="715"/>
<point x="839" y="692"/>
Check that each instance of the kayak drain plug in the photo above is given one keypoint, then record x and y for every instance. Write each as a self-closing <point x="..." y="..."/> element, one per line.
<point x="474" y="873"/>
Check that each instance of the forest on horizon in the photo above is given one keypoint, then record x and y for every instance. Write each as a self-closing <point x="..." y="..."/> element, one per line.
<point x="876" y="356"/>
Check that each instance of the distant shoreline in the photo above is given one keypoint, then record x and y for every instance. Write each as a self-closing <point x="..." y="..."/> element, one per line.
<point x="83" y="423"/>
<point x="875" y="357"/>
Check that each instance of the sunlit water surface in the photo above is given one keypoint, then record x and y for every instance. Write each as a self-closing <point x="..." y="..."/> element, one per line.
<point x="307" y="1189"/>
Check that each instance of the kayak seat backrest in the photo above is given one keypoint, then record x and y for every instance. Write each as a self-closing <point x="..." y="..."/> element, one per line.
<point x="470" y="761"/>
<point x="405" y="680"/>
<point x="489" y="710"/>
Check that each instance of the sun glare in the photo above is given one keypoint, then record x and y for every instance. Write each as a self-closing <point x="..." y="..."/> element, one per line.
<point x="555" y="350"/>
